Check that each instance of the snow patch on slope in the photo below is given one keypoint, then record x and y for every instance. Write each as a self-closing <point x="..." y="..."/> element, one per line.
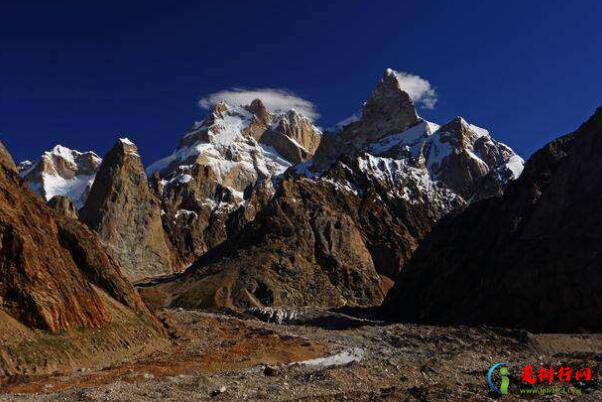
<point x="75" y="189"/>
<point x="516" y="165"/>
<point x="342" y="358"/>
<point x="62" y="171"/>
<point x="413" y="184"/>
<point x="220" y="144"/>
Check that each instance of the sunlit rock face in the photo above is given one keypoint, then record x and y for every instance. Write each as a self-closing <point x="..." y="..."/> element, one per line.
<point x="126" y="214"/>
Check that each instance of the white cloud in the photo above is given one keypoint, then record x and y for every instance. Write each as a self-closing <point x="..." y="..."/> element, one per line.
<point x="275" y="100"/>
<point x="419" y="89"/>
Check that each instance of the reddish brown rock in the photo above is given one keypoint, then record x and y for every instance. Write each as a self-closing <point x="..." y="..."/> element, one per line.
<point x="6" y="158"/>
<point x="298" y="251"/>
<point x="55" y="277"/>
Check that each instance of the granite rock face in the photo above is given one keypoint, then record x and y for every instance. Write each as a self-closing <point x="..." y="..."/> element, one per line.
<point x="389" y="110"/>
<point x="530" y="259"/>
<point x="126" y="214"/>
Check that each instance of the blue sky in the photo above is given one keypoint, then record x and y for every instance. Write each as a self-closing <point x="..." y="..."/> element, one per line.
<point x="82" y="75"/>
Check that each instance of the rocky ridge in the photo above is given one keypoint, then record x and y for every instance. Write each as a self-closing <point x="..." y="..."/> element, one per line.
<point x="6" y="158"/>
<point x="529" y="259"/>
<point x="341" y="227"/>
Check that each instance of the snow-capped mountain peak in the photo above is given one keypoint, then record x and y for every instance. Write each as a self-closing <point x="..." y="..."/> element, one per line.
<point x="403" y="151"/>
<point x="62" y="171"/>
<point x="219" y="160"/>
<point x="247" y="136"/>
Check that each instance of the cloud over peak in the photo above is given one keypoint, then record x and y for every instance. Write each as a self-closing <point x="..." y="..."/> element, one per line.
<point x="419" y="89"/>
<point x="275" y="100"/>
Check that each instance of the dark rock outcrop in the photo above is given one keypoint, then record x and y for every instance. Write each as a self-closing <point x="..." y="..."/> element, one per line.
<point x="126" y="214"/>
<point x="300" y="250"/>
<point x="532" y="258"/>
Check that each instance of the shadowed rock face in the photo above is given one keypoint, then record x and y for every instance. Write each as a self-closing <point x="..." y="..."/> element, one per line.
<point x="63" y="206"/>
<point x="49" y="265"/>
<point x="531" y="259"/>
<point x="317" y="242"/>
<point x="126" y="214"/>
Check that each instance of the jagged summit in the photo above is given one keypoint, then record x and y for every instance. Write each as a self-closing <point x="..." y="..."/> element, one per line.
<point x="341" y="226"/>
<point x="219" y="160"/>
<point x="463" y="158"/>
<point x="126" y="214"/>
<point x="62" y="171"/>
<point x="389" y="109"/>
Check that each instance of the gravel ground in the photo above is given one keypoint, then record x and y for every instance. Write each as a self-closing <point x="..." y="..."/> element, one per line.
<point x="324" y="356"/>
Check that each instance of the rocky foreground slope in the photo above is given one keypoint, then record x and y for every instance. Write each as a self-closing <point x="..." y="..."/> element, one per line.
<point x="530" y="259"/>
<point x="341" y="226"/>
<point x="63" y="300"/>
